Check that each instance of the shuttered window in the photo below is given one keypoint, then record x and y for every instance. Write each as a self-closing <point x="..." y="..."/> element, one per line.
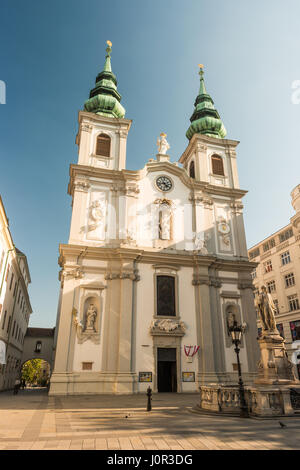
<point x="103" y="145"/>
<point x="217" y="165"/>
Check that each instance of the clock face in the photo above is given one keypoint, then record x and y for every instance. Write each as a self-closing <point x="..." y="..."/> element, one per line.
<point x="164" y="183"/>
<point x="224" y="228"/>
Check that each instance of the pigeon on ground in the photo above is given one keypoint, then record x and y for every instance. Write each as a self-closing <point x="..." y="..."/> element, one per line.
<point x="282" y="425"/>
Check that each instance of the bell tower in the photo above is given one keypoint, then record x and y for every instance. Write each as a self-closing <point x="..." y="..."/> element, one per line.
<point x="209" y="157"/>
<point x="103" y="131"/>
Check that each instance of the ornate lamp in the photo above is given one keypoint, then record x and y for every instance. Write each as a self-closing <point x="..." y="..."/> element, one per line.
<point x="236" y="332"/>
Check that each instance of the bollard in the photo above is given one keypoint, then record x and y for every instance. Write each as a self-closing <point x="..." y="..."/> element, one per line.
<point x="149" y="395"/>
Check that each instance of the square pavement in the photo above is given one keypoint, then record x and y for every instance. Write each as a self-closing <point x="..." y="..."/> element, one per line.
<point x="33" y="420"/>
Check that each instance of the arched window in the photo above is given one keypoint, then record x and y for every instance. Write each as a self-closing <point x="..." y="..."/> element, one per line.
<point x="217" y="165"/>
<point x="165" y="295"/>
<point x="103" y="145"/>
<point x="192" y="169"/>
<point x="38" y="347"/>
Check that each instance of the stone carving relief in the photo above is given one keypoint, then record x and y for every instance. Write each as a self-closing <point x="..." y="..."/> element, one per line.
<point x="167" y="326"/>
<point x="200" y="242"/>
<point x="96" y="216"/>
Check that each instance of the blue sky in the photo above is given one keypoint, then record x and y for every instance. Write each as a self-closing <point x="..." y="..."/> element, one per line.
<point x="50" y="55"/>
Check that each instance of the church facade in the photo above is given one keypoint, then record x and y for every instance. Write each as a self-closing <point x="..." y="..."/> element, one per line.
<point x="156" y="262"/>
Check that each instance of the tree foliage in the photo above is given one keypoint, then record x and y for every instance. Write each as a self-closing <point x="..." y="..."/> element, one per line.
<point x="32" y="371"/>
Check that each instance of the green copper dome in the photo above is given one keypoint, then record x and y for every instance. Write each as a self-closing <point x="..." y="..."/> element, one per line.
<point x="104" y="98"/>
<point x="205" y="118"/>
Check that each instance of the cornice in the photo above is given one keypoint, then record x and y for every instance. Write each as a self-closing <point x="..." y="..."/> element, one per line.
<point x="123" y="176"/>
<point x="172" y="260"/>
<point x="204" y="139"/>
<point x="92" y="117"/>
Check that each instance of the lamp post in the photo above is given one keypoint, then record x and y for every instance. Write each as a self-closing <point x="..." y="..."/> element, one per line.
<point x="236" y="332"/>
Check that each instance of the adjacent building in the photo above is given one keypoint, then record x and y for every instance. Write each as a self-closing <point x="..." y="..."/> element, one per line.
<point x="15" y="307"/>
<point x="156" y="263"/>
<point x="278" y="258"/>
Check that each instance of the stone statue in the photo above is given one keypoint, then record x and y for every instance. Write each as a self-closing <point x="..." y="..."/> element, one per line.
<point x="201" y="244"/>
<point x="164" y="225"/>
<point x="162" y="144"/>
<point x="266" y="310"/>
<point x="91" y="315"/>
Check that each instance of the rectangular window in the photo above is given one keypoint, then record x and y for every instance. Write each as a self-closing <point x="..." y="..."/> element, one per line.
<point x="253" y="274"/>
<point x="11" y="280"/>
<point x="279" y="327"/>
<point x="271" y="286"/>
<point x="295" y="330"/>
<point x="289" y="280"/>
<point x="8" y="325"/>
<point x="268" y="266"/>
<point x="293" y="302"/>
<point x="4" y="320"/>
<point x="254" y="253"/>
<point x="165" y="291"/>
<point x="285" y="258"/>
<point x="285" y="235"/>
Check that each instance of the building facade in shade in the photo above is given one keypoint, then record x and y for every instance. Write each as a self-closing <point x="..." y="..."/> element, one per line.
<point x="15" y="307"/>
<point x="279" y="270"/>
<point x="156" y="264"/>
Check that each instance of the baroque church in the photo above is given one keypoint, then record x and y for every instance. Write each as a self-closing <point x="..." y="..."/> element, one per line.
<point x="156" y="263"/>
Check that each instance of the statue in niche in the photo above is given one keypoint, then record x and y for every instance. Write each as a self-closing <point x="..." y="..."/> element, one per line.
<point x="266" y="310"/>
<point x="97" y="214"/>
<point x="201" y="243"/>
<point x="162" y="144"/>
<point x="164" y="224"/>
<point x="231" y="319"/>
<point x="91" y="315"/>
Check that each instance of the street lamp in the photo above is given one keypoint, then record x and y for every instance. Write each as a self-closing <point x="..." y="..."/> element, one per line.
<point x="236" y="332"/>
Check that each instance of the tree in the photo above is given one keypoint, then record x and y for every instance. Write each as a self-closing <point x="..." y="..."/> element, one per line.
<point x="32" y="371"/>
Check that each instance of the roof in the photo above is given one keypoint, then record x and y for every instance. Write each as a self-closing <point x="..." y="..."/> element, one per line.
<point x="43" y="332"/>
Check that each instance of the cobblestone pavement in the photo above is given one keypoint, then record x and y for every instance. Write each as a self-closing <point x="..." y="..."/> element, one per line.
<point x="33" y="420"/>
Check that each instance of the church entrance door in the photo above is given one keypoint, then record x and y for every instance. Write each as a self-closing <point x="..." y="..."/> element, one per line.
<point x="166" y="370"/>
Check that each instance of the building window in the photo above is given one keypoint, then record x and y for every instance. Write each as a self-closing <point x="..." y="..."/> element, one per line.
<point x="285" y="258"/>
<point x="254" y="253"/>
<point x="15" y="289"/>
<point x="285" y="235"/>
<point x="293" y="302"/>
<point x="165" y="288"/>
<point x="269" y="244"/>
<point x="253" y="274"/>
<point x="4" y="320"/>
<point x="217" y="165"/>
<point x="295" y="330"/>
<point x="11" y="280"/>
<point x="268" y="266"/>
<point x="87" y="366"/>
<point x="279" y="327"/>
<point x="289" y="280"/>
<point x="103" y="145"/>
<point x="192" y="169"/>
<point x="271" y="286"/>
<point x="38" y="347"/>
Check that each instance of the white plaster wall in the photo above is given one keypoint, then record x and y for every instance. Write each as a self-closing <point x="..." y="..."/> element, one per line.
<point x="145" y="311"/>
